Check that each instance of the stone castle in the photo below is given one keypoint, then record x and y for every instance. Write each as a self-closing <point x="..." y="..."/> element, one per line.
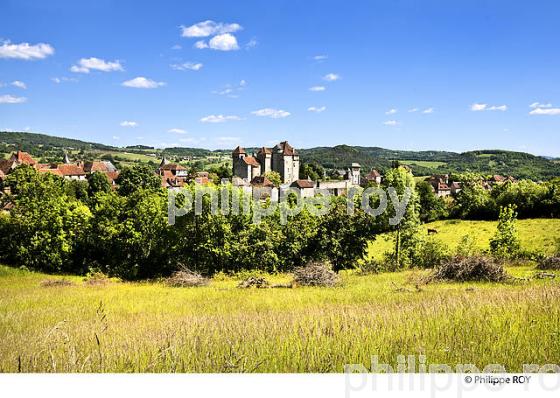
<point x="283" y="158"/>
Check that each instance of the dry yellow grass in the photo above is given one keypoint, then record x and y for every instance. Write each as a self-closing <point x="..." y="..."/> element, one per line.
<point x="150" y="327"/>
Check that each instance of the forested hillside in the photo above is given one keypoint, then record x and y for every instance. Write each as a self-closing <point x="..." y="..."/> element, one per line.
<point x="516" y="164"/>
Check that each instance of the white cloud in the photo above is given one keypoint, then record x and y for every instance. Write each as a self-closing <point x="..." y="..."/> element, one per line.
<point x="187" y="66"/>
<point x="177" y="131"/>
<point x="317" y="88"/>
<point x="219" y="118"/>
<point x="225" y="42"/>
<point x="10" y="99"/>
<point x="272" y="113"/>
<point x="251" y="43"/>
<point x="19" y="84"/>
<point x="85" y="65"/>
<point x="116" y="137"/>
<point x="539" y="105"/>
<point x="486" y="107"/>
<point x="25" y="51"/>
<point x="545" y="111"/>
<point x="411" y="110"/>
<point x="127" y="123"/>
<point x="142" y="82"/>
<point x="391" y="123"/>
<point x="63" y="79"/>
<point x="317" y="109"/>
<point x="232" y="91"/>
<point x="429" y="110"/>
<point x="209" y="28"/>
<point x="391" y="111"/>
<point x="320" y="57"/>
<point x="201" y="44"/>
<point x="331" y="77"/>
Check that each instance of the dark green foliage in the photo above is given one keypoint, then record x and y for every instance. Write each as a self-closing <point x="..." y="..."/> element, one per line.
<point x="137" y="177"/>
<point x="98" y="183"/>
<point x="431" y="207"/>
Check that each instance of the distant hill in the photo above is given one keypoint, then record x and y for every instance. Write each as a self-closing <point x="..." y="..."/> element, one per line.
<point x="516" y="164"/>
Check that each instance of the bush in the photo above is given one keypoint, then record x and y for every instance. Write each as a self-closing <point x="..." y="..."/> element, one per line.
<point x="371" y="267"/>
<point x="56" y="283"/>
<point x="315" y="274"/>
<point x="186" y="278"/>
<point x="431" y="253"/>
<point x="476" y="268"/>
<point x="550" y="263"/>
<point x="253" y="281"/>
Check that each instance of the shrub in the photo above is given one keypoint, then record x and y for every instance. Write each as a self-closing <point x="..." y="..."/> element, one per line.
<point x="315" y="274"/>
<point x="476" y="268"/>
<point x="56" y="283"/>
<point x="467" y="246"/>
<point x="431" y="253"/>
<point x="371" y="267"/>
<point x="550" y="263"/>
<point x="254" y="281"/>
<point x="96" y="278"/>
<point x="186" y="278"/>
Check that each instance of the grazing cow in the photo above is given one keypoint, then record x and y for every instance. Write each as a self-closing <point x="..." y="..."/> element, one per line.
<point x="432" y="231"/>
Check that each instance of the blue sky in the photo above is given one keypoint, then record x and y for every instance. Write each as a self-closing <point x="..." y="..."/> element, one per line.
<point x="417" y="75"/>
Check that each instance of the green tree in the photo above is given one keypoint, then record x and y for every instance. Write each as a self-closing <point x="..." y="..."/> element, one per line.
<point x="431" y="207"/>
<point x="137" y="177"/>
<point x="98" y="183"/>
<point x="408" y="236"/>
<point x="274" y="177"/>
<point x="505" y="243"/>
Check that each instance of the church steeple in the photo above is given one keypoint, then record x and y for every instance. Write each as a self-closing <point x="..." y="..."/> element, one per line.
<point x="164" y="161"/>
<point x="66" y="159"/>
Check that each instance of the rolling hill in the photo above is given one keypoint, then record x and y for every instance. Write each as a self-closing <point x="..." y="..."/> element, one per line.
<point x="516" y="164"/>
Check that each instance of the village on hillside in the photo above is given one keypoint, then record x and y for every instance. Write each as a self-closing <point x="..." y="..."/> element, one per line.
<point x="249" y="171"/>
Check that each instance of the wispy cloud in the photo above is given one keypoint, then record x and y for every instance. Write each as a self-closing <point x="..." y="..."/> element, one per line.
<point x="63" y="79"/>
<point x="128" y="123"/>
<point x="19" y="84"/>
<point x="25" y="51"/>
<point x="320" y="57"/>
<point x="209" y="28"/>
<point x="116" y="137"/>
<point x="10" y="99"/>
<point x="412" y="110"/>
<point x="187" y="66"/>
<point x="479" y="107"/>
<point x="251" y="43"/>
<point x="535" y="105"/>
<point x="391" y="123"/>
<point x="219" y="118"/>
<point x="543" y="109"/>
<point x="272" y="113"/>
<point x="430" y="110"/>
<point x="317" y="109"/>
<point x="85" y="65"/>
<point x="232" y="90"/>
<point x="317" y="88"/>
<point x="176" y="131"/>
<point x="391" y="111"/>
<point x="331" y="77"/>
<point x="142" y="82"/>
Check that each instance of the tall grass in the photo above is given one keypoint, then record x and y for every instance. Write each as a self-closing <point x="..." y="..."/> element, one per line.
<point x="150" y="327"/>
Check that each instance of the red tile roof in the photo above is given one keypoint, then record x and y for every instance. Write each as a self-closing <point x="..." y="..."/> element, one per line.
<point x="71" y="170"/>
<point x="56" y="172"/>
<point x="238" y="150"/>
<point x="373" y="174"/>
<point x="261" y="181"/>
<point x="286" y="148"/>
<point x="303" y="184"/>
<point x="251" y="161"/>
<point x="23" y="158"/>
<point x="265" y="150"/>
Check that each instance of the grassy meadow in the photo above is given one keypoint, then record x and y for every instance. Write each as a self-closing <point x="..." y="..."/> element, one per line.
<point x="150" y="327"/>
